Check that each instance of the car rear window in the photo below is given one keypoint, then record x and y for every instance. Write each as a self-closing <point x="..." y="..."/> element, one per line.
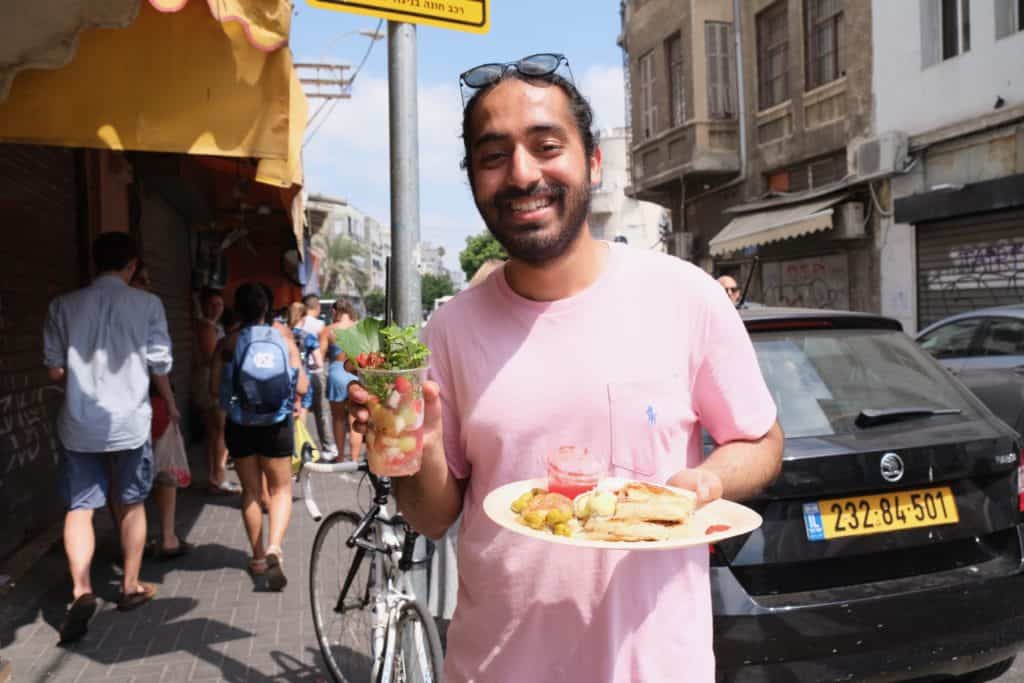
<point x="822" y="379"/>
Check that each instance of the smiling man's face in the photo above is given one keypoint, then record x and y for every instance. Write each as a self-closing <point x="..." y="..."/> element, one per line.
<point x="530" y="175"/>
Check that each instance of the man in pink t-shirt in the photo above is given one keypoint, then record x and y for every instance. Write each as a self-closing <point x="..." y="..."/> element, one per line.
<point x="576" y="341"/>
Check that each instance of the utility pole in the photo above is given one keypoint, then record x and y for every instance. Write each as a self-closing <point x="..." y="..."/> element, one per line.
<point x="405" y="173"/>
<point x="325" y="81"/>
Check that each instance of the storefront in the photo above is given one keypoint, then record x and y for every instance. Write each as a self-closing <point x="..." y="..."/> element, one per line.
<point x="808" y="252"/>
<point x="101" y="109"/>
<point x="969" y="247"/>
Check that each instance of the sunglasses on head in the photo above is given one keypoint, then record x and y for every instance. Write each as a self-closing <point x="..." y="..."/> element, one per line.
<point x="535" y="66"/>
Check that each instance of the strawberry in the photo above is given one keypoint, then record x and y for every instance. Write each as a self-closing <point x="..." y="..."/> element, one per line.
<point x="417" y="405"/>
<point x="361" y="360"/>
<point x="403" y="385"/>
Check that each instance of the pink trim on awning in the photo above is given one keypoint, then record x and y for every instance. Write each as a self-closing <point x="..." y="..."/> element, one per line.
<point x="267" y="35"/>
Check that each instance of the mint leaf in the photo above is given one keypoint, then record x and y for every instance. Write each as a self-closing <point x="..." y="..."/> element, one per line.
<point x="402" y="347"/>
<point x="363" y="337"/>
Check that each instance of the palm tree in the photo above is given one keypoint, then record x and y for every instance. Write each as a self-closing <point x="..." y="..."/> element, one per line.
<point x="342" y="267"/>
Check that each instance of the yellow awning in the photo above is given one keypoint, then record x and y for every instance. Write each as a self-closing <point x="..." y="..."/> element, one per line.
<point x="171" y="82"/>
<point x="266" y="23"/>
<point x="755" y="229"/>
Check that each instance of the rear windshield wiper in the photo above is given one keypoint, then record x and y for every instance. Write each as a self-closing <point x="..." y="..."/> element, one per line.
<point x="871" y="417"/>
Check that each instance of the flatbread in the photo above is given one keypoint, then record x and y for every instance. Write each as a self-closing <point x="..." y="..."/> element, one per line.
<point x="611" y="529"/>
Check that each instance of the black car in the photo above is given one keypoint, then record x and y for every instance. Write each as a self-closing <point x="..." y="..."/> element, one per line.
<point x="891" y="547"/>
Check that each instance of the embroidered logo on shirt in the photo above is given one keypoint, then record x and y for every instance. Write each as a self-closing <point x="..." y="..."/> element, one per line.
<point x="652" y="417"/>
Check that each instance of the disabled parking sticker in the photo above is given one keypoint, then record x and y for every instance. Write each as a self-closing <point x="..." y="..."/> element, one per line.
<point x="812" y="521"/>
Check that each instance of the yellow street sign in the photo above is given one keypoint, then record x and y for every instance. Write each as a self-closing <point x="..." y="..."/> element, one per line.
<point x="461" y="15"/>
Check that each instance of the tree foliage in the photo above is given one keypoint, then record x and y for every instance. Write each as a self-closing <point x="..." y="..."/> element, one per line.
<point x="375" y="300"/>
<point x="433" y="287"/>
<point x="341" y="269"/>
<point x="479" y="248"/>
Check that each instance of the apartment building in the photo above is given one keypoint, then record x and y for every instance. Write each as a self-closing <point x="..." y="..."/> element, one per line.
<point x="949" y="80"/>
<point x="431" y="259"/>
<point x="615" y="216"/>
<point x="746" y="118"/>
<point x="331" y="217"/>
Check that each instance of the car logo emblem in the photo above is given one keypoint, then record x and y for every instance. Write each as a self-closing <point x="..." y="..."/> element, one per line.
<point x="892" y="467"/>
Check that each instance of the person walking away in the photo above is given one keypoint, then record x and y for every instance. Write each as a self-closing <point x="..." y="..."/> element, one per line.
<point x="104" y="343"/>
<point x="208" y="332"/>
<point x="521" y="366"/>
<point x="338" y="378"/>
<point x="165" y="486"/>
<point x="309" y="350"/>
<point x="261" y="371"/>
<point x="312" y="324"/>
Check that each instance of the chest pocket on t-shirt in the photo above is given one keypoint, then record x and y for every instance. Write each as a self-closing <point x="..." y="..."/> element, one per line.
<point x="650" y="421"/>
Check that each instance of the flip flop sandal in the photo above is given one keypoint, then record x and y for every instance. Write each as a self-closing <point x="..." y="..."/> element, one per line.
<point x="225" y="488"/>
<point x="137" y="599"/>
<point x="76" y="619"/>
<point x="161" y="555"/>
<point x="258" y="567"/>
<point x="276" y="580"/>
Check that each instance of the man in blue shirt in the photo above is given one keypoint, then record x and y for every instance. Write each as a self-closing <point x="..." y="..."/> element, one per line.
<point x="102" y="343"/>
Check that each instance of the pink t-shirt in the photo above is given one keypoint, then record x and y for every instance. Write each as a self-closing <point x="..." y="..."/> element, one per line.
<point x="630" y="368"/>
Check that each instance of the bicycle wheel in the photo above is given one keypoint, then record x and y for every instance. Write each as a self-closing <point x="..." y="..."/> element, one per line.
<point x="413" y="649"/>
<point x="343" y="623"/>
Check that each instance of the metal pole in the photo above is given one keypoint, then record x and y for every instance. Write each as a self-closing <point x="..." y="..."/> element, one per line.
<point x="405" y="173"/>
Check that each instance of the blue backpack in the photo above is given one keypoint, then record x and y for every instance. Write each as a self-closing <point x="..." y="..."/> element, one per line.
<point x="262" y="382"/>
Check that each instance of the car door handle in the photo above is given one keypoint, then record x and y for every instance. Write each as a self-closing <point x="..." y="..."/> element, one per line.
<point x="1019" y="369"/>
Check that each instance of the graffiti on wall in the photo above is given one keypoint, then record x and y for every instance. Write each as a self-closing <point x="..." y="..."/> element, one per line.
<point x="27" y="422"/>
<point x="986" y="272"/>
<point x="817" y="282"/>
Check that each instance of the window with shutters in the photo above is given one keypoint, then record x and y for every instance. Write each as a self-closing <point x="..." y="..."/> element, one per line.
<point x="718" y="44"/>
<point x="772" y="56"/>
<point x="676" y="92"/>
<point x="1009" y="17"/>
<point x="945" y="30"/>
<point x="823" y="20"/>
<point x="648" y="109"/>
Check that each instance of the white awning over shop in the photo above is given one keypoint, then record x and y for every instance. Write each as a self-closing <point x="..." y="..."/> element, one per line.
<point x="763" y="227"/>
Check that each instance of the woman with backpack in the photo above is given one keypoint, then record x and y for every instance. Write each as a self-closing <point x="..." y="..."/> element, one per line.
<point x="260" y="372"/>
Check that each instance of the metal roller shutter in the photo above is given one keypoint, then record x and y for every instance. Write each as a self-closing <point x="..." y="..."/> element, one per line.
<point x="164" y="238"/>
<point x="39" y="259"/>
<point x="968" y="264"/>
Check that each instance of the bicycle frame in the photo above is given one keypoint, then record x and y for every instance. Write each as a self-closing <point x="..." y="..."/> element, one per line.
<point x="392" y="549"/>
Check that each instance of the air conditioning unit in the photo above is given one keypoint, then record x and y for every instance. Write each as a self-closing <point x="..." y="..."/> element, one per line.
<point x="880" y="156"/>
<point x="848" y="221"/>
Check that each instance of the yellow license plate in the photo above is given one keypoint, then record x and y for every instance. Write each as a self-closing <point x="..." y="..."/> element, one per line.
<point x="880" y="513"/>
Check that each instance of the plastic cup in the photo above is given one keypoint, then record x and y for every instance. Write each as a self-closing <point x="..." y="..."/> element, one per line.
<point x="572" y="471"/>
<point x="394" y="440"/>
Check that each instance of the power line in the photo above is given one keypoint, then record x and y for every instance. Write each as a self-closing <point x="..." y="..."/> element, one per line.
<point x="366" y="55"/>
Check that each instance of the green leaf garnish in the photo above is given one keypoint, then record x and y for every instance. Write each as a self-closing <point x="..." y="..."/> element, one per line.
<point x="402" y="347"/>
<point x="363" y="337"/>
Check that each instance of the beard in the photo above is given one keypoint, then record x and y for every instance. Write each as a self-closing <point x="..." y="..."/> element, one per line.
<point x="528" y="242"/>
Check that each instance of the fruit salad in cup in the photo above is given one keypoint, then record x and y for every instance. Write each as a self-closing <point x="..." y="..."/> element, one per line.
<point x="392" y="366"/>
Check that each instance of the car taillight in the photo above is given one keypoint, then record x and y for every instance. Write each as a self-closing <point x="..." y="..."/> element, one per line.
<point x="1020" y="481"/>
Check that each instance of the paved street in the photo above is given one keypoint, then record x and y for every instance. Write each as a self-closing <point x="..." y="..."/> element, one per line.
<point x="209" y="621"/>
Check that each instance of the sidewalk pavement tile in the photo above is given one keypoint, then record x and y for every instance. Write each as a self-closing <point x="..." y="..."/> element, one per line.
<point x="208" y="622"/>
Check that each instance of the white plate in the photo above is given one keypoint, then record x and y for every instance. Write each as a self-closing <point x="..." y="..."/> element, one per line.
<point x="740" y="518"/>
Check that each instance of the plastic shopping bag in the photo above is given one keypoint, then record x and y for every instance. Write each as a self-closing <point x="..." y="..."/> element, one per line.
<point x="303" y="443"/>
<point x="170" y="459"/>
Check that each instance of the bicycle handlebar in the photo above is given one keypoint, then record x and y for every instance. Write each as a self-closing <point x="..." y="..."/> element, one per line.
<point x="322" y="468"/>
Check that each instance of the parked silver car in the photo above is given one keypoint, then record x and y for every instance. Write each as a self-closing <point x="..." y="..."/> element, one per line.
<point x="985" y="350"/>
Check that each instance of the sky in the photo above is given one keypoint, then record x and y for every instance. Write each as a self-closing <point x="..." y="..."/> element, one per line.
<point x="347" y="156"/>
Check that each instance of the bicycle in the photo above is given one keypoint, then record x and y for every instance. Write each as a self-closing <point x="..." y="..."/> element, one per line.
<point x="361" y="591"/>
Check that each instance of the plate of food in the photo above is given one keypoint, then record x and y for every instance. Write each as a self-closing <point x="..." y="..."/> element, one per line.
<point x="618" y="514"/>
